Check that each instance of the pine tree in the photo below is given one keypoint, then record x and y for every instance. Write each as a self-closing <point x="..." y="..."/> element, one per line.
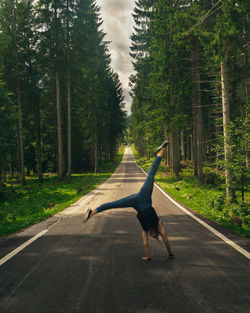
<point x="7" y="125"/>
<point x="15" y="53"/>
<point x="52" y="46"/>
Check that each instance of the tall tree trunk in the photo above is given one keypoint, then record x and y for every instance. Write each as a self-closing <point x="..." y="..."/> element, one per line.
<point x="38" y="140"/>
<point x="69" y="124"/>
<point x="59" y="127"/>
<point x="197" y="110"/>
<point x="183" y="152"/>
<point x="68" y="97"/>
<point x="209" y="137"/>
<point x="20" y="131"/>
<point x="189" y="149"/>
<point x="199" y="115"/>
<point x="69" y="116"/>
<point x="19" y="105"/>
<point x="230" y="193"/>
<point x="165" y="138"/>
<point x="3" y="174"/>
<point x="170" y="151"/>
<point x="95" y="153"/>
<point x="217" y="159"/>
<point x="194" y="119"/>
<point x="95" y="141"/>
<point x="175" y="151"/>
<point x="11" y="164"/>
<point x="244" y="95"/>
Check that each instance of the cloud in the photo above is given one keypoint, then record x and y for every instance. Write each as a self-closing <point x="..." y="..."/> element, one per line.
<point x="118" y="25"/>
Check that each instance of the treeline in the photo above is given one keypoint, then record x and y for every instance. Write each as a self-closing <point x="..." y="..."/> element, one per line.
<point x="61" y="105"/>
<point x="191" y="84"/>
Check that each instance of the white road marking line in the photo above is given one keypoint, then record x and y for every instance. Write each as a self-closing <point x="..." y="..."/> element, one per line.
<point x="214" y="231"/>
<point x="24" y="245"/>
<point x="27" y="243"/>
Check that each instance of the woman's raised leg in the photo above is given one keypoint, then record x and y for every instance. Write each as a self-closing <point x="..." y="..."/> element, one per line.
<point x="146" y="190"/>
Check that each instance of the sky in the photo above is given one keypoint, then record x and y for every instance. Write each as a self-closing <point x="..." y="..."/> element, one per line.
<point x="118" y="25"/>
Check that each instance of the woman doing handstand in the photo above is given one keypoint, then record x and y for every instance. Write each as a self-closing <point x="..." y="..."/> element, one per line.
<point x="142" y="203"/>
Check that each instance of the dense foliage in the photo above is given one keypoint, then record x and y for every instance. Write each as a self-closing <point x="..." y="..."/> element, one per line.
<point x="191" y="63"/>
<point x="61" y="105"/>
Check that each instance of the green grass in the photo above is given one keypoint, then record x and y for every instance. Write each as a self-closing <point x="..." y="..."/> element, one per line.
<point x="23" y="205"/>
<point x="207" y="200"/>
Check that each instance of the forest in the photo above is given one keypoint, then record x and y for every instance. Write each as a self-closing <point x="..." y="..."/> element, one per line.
<point x="191" y="86"/>
<point x="61" y="104"/>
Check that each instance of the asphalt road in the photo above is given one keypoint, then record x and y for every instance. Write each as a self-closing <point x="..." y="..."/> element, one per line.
<point x="96" y="267"/>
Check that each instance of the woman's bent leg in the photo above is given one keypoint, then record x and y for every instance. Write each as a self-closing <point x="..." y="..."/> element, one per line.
<point x="130" y="201"/>
<point x="164" y="237"/>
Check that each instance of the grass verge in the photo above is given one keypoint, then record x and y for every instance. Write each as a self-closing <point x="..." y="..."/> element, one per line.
<point x="23" y="205"/>
<point x="207" y="200"/>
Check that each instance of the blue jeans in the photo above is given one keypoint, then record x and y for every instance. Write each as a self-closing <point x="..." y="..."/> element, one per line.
<point x="140" y="200"/>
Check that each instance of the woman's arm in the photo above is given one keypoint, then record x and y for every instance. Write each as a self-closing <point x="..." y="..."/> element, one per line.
<point x="146" y="246"/>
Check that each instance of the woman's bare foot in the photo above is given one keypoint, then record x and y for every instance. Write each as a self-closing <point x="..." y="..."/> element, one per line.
<point x="145" y="258"/>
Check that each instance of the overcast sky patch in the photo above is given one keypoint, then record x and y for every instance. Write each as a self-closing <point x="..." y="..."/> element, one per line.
<point x="118" y="25"/>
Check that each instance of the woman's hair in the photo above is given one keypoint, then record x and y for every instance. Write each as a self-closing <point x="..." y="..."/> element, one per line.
<point x="153" y="232"/>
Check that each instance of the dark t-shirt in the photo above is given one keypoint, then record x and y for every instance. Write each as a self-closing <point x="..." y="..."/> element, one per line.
<point x="148" y="218"/>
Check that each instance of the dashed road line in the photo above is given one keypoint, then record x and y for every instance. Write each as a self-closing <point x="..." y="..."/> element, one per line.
<point x="37" y="236"/>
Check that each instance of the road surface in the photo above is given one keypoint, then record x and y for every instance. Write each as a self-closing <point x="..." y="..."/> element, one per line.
<point x="96" y="267"/>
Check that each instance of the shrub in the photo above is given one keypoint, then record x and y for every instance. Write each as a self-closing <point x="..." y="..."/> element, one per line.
<point x="219" y="202"/>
